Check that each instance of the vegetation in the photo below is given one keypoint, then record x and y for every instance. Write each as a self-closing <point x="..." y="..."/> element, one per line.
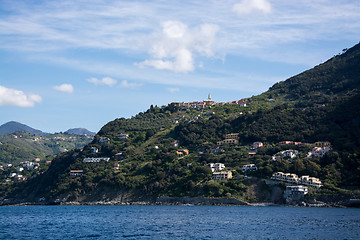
<point x="321" y="104"/>
<point x="22" y="146"/>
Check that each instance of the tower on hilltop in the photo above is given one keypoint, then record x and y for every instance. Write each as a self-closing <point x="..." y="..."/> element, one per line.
<point x="209" y="101"/>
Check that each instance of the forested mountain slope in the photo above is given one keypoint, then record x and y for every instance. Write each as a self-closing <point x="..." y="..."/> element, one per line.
<point x="166" y="150"/>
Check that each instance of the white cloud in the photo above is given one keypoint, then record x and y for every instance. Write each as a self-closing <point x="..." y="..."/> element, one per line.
<point x="250" y="6"/>
<point x="176" y="46"/>
<point x="172" y="90"/>
<point x="68" y="88"/>
<point x="126" y="84"/>
<point x="130" y="30"/>
<point x="105" y="81"/>
<point x="13" y="97"/>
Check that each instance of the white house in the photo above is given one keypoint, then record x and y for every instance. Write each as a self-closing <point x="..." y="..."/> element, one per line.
<point x="287" y="153"/>
<point x="216" y="166"/>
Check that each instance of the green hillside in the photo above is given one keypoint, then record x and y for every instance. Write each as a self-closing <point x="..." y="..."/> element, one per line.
<point x="149" y="152"/>
<point x="21" y="146"/>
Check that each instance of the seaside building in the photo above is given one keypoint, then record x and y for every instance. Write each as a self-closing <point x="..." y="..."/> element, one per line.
<point x="291" y="178"/>
<point x="295" y="194"/>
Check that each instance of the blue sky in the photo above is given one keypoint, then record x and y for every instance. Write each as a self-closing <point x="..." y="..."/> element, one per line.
<point x="66" y="64"/>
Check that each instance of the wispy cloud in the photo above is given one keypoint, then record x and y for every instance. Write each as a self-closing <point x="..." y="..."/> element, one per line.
<point x="132" y="25"/>
<point x="126" y="84"/>
<point x="157" y="36"/>
<point x="13" y="97"/>
<point x="250" y="6"/>
<point x="104" y="81"/>
<point x="68" y="88"/>
<point x="172" y="90"/>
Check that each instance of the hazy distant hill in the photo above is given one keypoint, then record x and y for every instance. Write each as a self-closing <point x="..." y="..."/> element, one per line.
<point x="21" y="146"/>
<point x="80" y="131"/>
<point x="11" y="127"/>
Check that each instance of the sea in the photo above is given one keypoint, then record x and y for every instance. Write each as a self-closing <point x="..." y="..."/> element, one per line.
<point x="178" y="222"/>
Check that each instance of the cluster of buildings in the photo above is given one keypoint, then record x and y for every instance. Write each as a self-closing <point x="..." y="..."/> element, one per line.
<point x="15" y="177"/>
<point x="31" y="165"/>
<point x="56" y="138"/>
<point x="292" y="178"/>
<point x="319" y="150"/>
<point x="198" y="105"/>
<point x="15" y="172"/>
<point x="241" y="102"/>
<point x="209" y="102"/>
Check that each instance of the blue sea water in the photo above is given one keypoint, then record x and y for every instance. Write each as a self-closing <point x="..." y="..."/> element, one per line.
<point x="177" y="222"/>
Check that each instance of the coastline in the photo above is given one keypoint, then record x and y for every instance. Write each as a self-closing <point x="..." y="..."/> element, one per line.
<point x="187" y="201"/>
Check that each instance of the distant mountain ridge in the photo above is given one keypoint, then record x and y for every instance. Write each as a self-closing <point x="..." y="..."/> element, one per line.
<point x="80" y="131"/>
<point x="12" y="126"/>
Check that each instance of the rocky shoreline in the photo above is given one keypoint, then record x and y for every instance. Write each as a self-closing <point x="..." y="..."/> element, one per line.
<point x="196" y="201"/>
